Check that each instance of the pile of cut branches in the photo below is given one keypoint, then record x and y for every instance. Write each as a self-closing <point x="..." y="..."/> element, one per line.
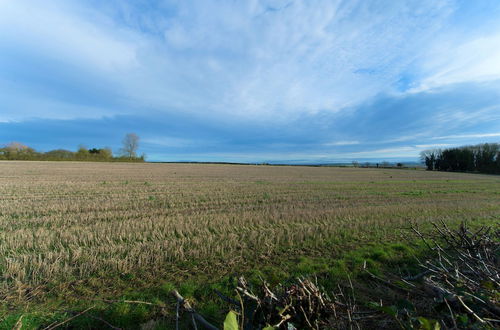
<point x="464" y="276"/>
<point x="457" y="287"/>
<point x="301" y="305"/>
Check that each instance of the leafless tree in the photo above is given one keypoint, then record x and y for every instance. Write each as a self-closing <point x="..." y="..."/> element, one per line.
<point x="130" y="145"/>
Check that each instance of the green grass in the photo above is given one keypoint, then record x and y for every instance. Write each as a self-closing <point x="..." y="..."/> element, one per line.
<point x="198" y="290"/>
<point x="346" y="266"/>
<point x="379" y="258"/>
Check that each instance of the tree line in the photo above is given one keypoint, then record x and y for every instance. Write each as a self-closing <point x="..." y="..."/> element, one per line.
<point x="481" y="158"/>
<point x="19" y="151"/>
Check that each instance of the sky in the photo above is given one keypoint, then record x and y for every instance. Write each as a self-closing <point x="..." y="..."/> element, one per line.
<point x="251" y="81"/>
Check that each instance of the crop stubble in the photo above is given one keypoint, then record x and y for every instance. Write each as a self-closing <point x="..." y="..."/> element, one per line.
<point x="70" y="221"/>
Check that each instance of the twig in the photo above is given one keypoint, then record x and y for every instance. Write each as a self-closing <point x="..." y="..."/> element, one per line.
<point x="177" y="314"/>
<point x="384" y="281"/>
<point x="194" y="322"/>
<point x="19" y="323"/>
<point x="451" y="313"/>
<point x="67" y="320"/>
<point x="227" y="299"/>
<point x="187" y="307"/>
<point x="283" y="320"/>
<point x="470" y="311"/>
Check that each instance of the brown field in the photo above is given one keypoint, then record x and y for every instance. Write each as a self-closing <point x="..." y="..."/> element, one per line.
<point x="63" y="223"/>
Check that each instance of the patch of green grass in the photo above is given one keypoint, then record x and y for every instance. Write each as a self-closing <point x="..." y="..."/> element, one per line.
<point x="126" y="314"/>
<point x="32" y="320"/>
<point x="414" y="193"/>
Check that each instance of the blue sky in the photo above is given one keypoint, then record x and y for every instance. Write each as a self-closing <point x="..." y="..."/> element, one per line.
<point x="251" y="81"/>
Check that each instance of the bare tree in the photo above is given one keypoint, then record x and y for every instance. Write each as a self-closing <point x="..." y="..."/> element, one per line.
<point x="429" y="157"/>
<point x="16" y="147"/>
<point x="130" y="145"/>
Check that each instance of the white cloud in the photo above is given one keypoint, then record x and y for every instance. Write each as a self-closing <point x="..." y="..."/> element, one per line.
<point x="342" y="143"/>
<point x="405" y="151"/>
<point x="466" y="136"/>
<point x="328" y="55"/>
<point x="255" y="59"/>
<point x="460" y="60"/>
<point x="316" y="156"/>
<point x="170" y="142"/>
<point x="260" y="60"/>
<point x="53" y="30"/>
<point x="438" y="145"/>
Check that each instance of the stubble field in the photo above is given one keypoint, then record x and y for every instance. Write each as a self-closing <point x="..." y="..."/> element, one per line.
<point x="86" y="230"/>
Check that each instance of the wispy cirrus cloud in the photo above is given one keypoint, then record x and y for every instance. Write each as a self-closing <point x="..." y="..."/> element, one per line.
<point x="467" y="136"/>
<point x="471" y="61"/>
<point x="266" y="77"/>
<point x="341" y="143"/>
<point x="248" y="59"/>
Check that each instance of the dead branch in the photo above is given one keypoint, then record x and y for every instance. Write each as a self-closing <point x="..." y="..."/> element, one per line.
<point x="50" y="327"/>
<point x="187" y="307"/>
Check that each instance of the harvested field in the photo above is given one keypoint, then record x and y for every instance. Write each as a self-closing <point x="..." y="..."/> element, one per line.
<point x="88" y="229"/>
